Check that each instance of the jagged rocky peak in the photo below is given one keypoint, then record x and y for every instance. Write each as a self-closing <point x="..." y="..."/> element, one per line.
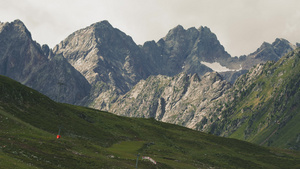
<point x="182" y="50"/>
<point x="102" y="24"/>
<point x="265" y="45"/>
<point x="81" y="40"/>
<point x="15" y="28"/>
<point x="177" y="41"/>
<point x="175" y="32"/>
<point x="179" y="33"/>
<point x="3" y="24"/>
<point x="87" y="38"/>
<point x="149" y="45"/>
<point x="47" y="51"/>
<point x="179" y="30"/>
<point x="281" y="41"/>
<point x="273" y="51"/>
<point x="282" y="46"/>
<point x="105" y="32"/>
<point x="204" y="29"/>
<point x="105" y="55"/>
<point x="19" y="24"/>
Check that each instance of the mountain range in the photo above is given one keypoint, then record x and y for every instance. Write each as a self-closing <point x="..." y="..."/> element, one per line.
<point x="172" y="80"/>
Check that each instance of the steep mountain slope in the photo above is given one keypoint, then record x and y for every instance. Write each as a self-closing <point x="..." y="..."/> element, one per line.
<point x="60" y="81"/>
<point x="182" y="99"/>
<point x="265" y="108"/>
<point x="24" y="60"/>
<point x="95" y="139"/>
<point x="19" y="54"/>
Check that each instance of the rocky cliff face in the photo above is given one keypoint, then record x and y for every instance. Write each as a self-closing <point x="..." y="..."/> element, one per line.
<point x="24" y="60"/>
<point x="60" y="81"/>
<point x="182" y="99"/>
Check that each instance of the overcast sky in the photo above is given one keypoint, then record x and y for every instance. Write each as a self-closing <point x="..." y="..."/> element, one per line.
<point x="240" y="25"/>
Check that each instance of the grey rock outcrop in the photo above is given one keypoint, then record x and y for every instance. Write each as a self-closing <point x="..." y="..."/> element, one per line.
<point x="182" y="99"/>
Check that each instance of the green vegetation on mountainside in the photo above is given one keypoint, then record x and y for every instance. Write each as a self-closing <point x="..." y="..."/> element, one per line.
<point x="30" y="121"/>
<point x="266" y="107"/>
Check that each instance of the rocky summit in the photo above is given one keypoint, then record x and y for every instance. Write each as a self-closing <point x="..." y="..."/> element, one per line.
<point x="103" y="53"/>
<point x="183" y="50"/>
<point x="108" y="58"/>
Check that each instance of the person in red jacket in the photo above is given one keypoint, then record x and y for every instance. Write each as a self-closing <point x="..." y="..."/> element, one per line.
<point x="58" y="135"/>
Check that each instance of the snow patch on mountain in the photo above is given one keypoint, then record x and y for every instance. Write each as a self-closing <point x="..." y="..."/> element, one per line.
<point x="216" y="66"/>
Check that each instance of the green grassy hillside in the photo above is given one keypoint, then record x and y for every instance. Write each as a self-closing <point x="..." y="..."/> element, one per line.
<point x="266" y="108"/>
<point x="29" y="123"/>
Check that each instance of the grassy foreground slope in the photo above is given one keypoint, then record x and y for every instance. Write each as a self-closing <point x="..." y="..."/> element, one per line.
<point x="29" y="123"/>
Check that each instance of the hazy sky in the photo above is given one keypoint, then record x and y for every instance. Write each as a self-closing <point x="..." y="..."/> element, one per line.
<point x="240" y="25"/>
